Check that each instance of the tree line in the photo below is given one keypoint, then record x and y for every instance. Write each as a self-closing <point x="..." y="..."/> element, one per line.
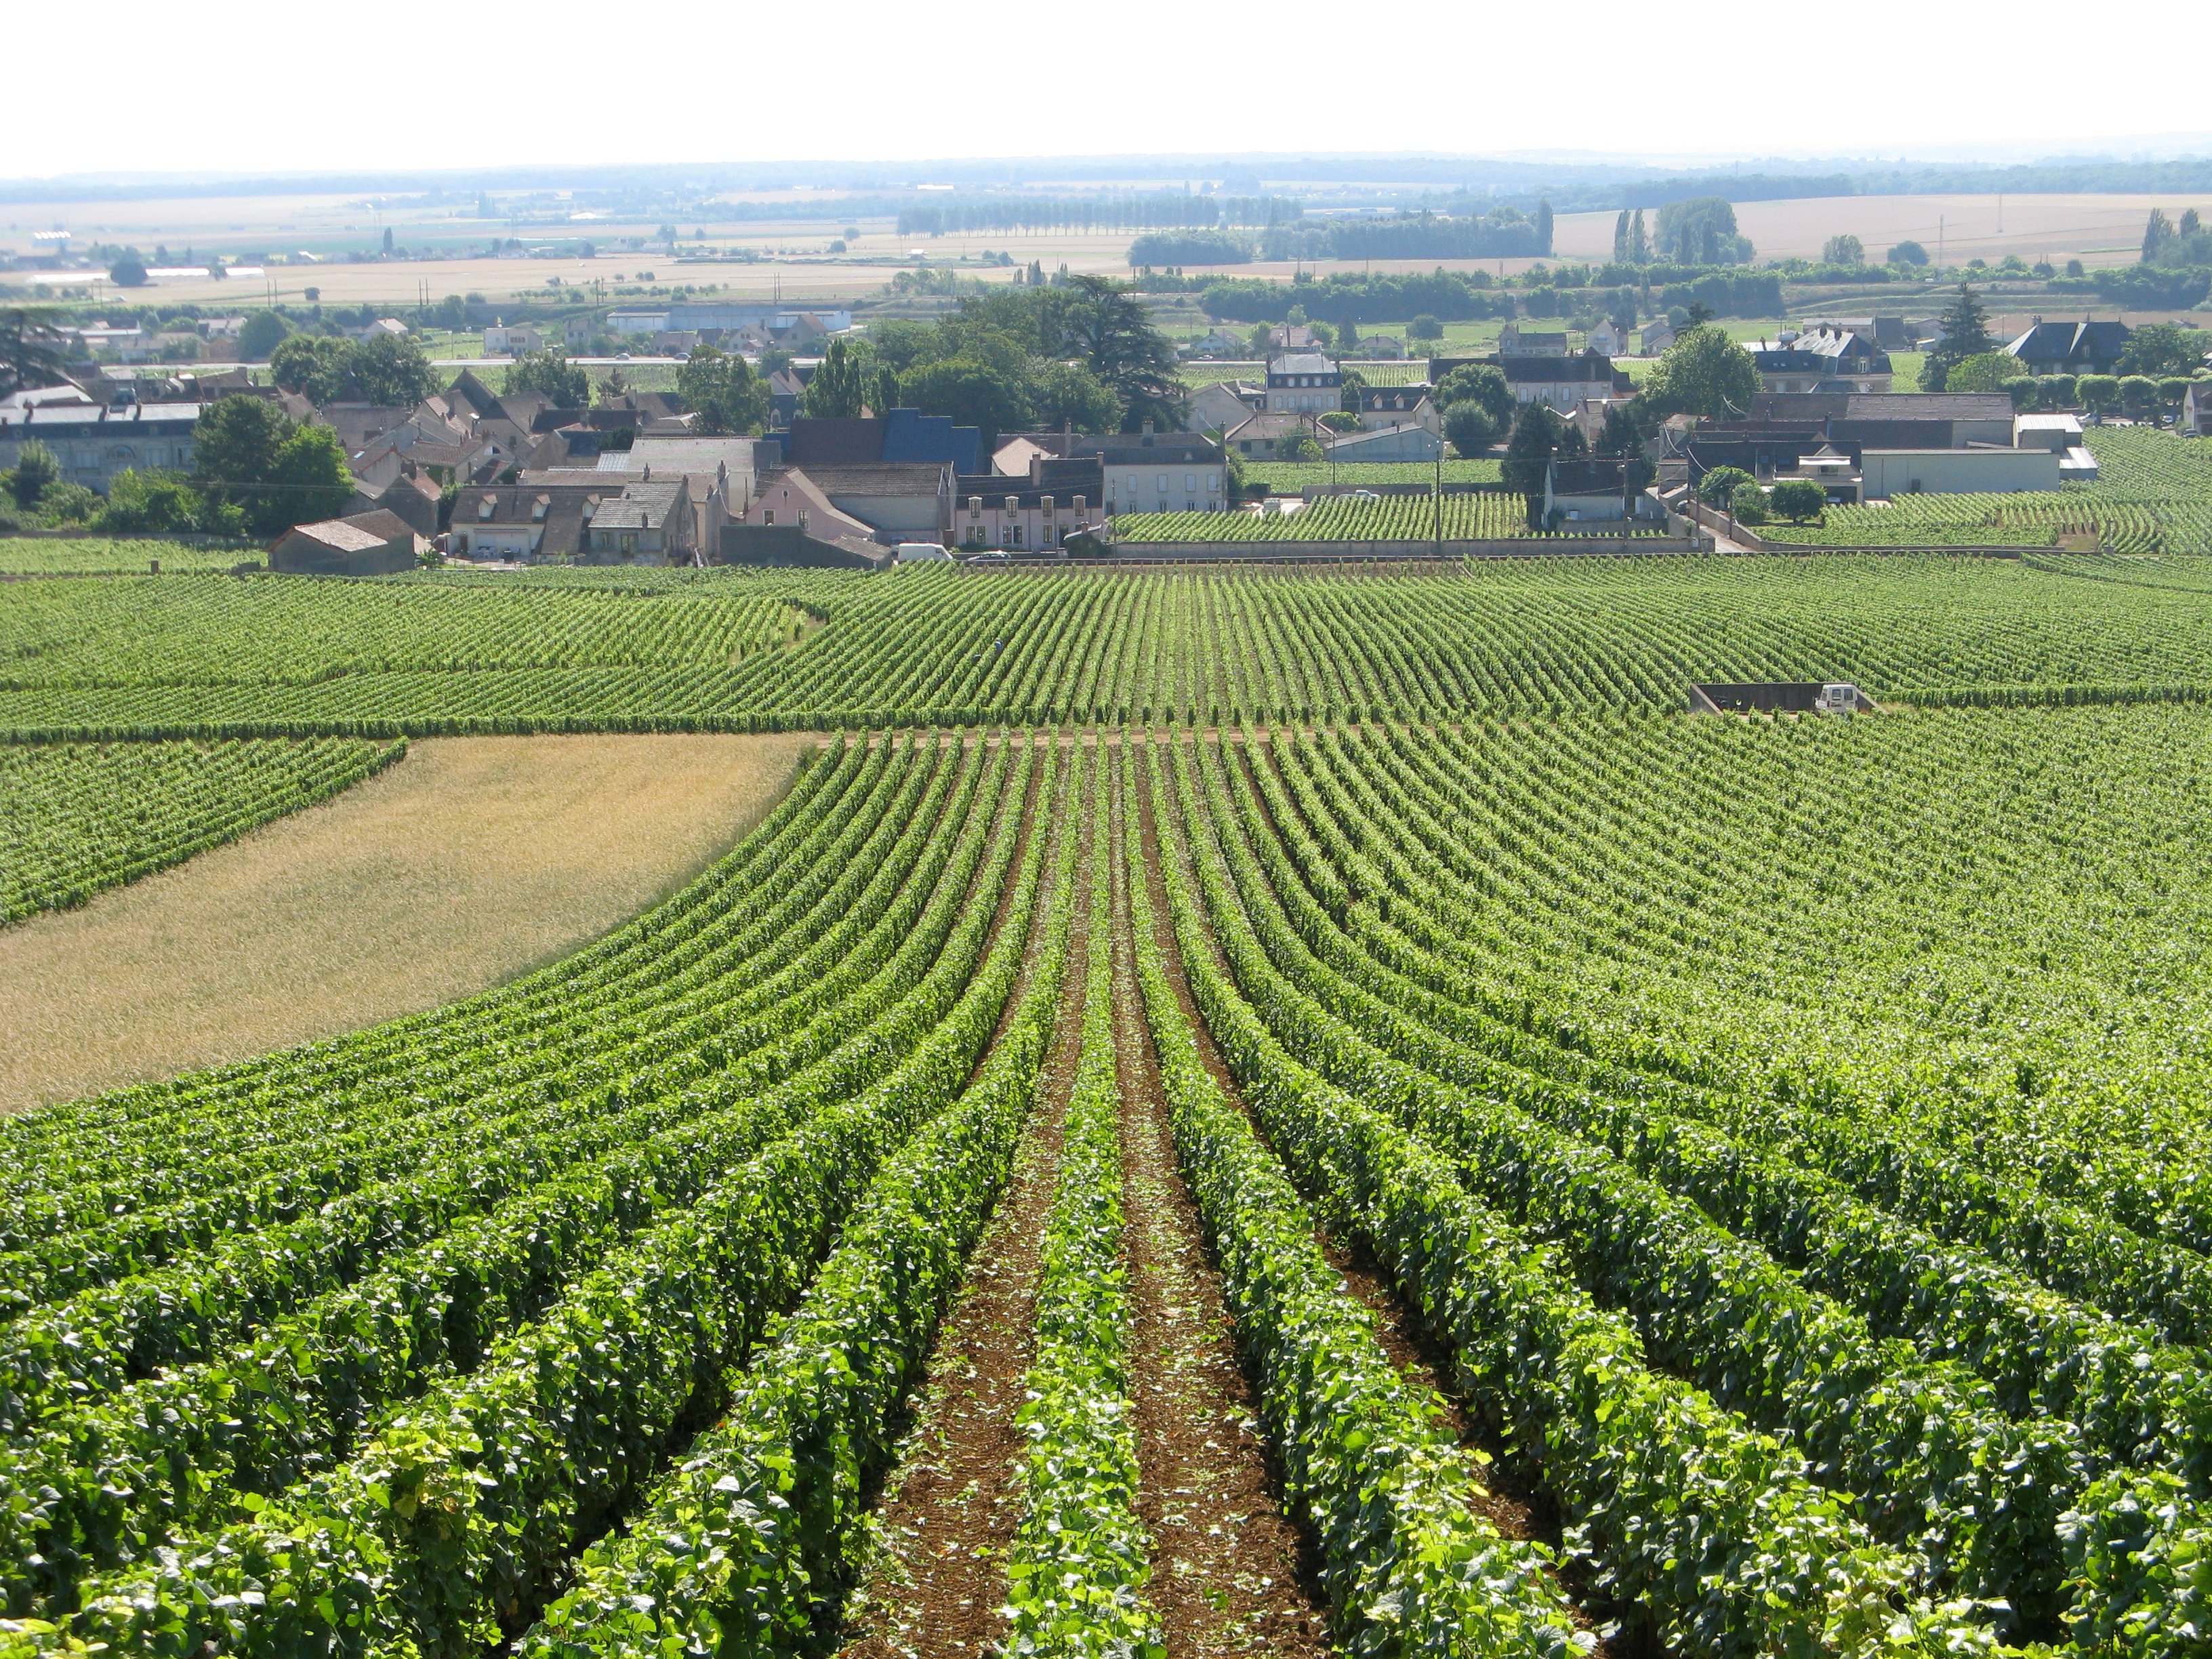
<point x="1039" y="213"/>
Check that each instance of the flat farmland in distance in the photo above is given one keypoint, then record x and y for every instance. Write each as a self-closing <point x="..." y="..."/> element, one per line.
<point x="2098" y="230"/>
<point x="469" y="862"/>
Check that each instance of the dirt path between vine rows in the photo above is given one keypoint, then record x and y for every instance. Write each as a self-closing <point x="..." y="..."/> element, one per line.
<point x="937" y="1573"/>
<point x="1230" y="1573"/>
<point x="471" y="860"/>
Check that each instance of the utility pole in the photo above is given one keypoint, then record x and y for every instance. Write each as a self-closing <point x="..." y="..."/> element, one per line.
<point x="1437" y="504"/>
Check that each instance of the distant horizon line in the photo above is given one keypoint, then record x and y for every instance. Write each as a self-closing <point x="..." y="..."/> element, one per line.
<point x="1152" y="167"/>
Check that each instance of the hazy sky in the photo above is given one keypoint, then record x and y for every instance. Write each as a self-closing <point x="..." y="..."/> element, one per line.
<point x="256" y="86"/>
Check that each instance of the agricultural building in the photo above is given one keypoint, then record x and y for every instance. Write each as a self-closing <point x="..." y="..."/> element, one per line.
<point x="1411" y="443"/>
<point x="1888" y="472"/>
<point x="375" y="543"/>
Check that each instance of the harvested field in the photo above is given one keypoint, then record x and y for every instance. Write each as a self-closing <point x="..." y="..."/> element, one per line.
<point x="468" y="862"/>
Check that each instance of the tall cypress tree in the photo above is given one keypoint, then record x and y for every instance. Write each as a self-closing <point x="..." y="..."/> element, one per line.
<point x="1966" y="334"/>
<point x="1621" y="239"/>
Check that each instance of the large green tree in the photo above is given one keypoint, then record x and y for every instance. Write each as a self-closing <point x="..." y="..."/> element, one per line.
<point x="972" y="392"/>
<point x="312" y="365"/>
<point x="246" y="454"/>
<point x="1104" y="323"/>
<point x="1703" y="373"/>
<point x="155" y="503"/>
<point x="719" y="388"/>
<point x="1536" y="439"/>
<point x="842" y="382"/>
<point x="1482" y="384"/>
<point x="36" y="472"/>
<point x="551" y="376"/>
<point x="2161" y="348"/>
<point x="1068" y="394"/>
<point x="263" y="332"/>
<point x="391" y="370"/>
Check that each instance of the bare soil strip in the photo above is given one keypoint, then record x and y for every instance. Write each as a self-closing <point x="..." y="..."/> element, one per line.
<point x="471" y="860"/>
<point x="936" y="1575"/>
<point x="1231" y="1574"/>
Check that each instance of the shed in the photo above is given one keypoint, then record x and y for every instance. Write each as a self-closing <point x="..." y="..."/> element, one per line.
<point x="374" y="543"/>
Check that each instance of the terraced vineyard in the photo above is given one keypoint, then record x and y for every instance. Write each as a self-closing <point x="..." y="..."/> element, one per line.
<point x="77" y="817"/>
<point x="1733" y="1187"/>
<point x="180" y="656"/>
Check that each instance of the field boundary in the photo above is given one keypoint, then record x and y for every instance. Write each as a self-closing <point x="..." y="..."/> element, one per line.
<point x="1752" y="541"/>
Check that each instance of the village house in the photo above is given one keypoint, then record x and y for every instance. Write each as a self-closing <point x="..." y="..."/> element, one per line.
<point x="718" y="470"/>
<point x="1514" y="342"/>
<point x="1265" y="435"/>
<point x="890" y="502"/>
<point x="650" y="522"/>
<point x="1561" y="381"/>
<point x="1821" y="360"/>
<point x="1303" y="382"/>
<point x="1383" y="407"/>
<point x="410" y="494"/>
<point x="542" y="519"/>
<point x="1057" y="499"/>
<point x="503" y="339"/>
<point x="1411" y="442"/>
<point x="2083" y="347"/>
<point x="93" y="442"/>
<point x="1151" y="471"/>
<point x="1607" y="338"/>
<point x="2197" y="409"/>
<point x="1222" y="405"/>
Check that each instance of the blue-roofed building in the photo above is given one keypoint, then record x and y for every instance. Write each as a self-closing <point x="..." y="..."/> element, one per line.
<point x="905" y="437"/>
<point x="912" y="438"/>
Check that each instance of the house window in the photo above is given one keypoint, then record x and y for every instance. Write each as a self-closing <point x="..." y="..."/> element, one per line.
<point x="1015" y="538"/>
<point x="1164" y="481"/>
<point x="1190" y="481"/>
<point x="768" y="515"/>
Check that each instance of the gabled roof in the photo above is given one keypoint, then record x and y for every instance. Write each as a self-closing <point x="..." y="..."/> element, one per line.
<point x="649" y="504"/>
<point x="363" y="532"/>
<point x="2069" y="341"/>
<point x="1593" y="367"/>
<point x="1146" y="448"/>
<point x="919" y="479"/>
<point x="1391" y="400"/>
